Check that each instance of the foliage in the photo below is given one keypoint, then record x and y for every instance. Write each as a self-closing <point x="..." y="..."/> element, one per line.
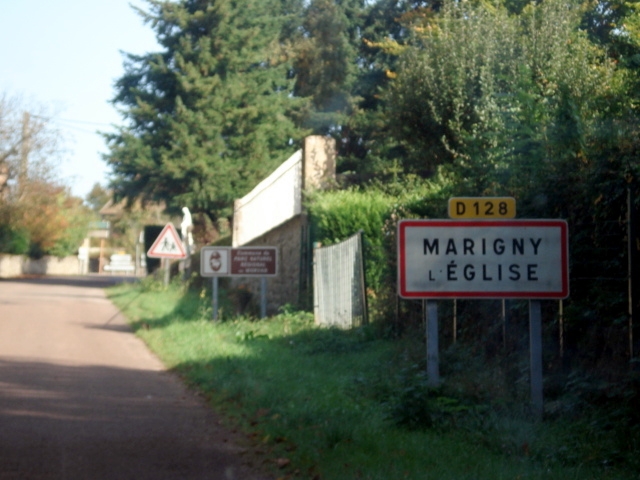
<point x="48" y="218"/>
<point x="97" y="197"/>
<point x="56" y="222"/>
<point x="211" y="113"/>
<point x="38" y="216"/>
<point x="504" y="101"/>
<point x="417" y="405"/>
<point x="14" y="242"/>
<point x="604" y="412"/>
<point x="538" y="101"/>
<point x="324" y="64"/>
<point x="337" y="215"/>
<point x="346" y="56"/>
<point x="74" y="219"/>
<point x="518" y="99"/>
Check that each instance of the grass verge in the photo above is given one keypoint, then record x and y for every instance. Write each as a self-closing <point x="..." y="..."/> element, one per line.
<point x="332" y="405"/>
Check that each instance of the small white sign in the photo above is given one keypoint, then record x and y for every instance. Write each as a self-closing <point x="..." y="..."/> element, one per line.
<point x="483" y="259"/>
<point x="214" y="261"/>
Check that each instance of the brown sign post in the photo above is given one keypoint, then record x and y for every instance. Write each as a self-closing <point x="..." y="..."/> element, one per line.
<point x="239" y="262"/>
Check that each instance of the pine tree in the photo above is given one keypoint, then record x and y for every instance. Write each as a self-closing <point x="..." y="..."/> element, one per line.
<point x="211" y="114"/>
<point x="368" y="148"/>
<point x="325" y="63"/>
<point x="342" y="63"/>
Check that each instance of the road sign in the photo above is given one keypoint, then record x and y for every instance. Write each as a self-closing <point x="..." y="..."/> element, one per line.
<point x="482" y="207"/>
<point x="239" y="262"/>
<point x="483" y="259"/>
<point x="168" y="244"/>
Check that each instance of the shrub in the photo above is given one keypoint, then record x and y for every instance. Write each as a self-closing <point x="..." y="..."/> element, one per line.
<point x="13" y="241"/>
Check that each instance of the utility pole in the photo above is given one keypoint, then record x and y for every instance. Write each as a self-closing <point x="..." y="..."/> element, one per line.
<point x="25" y="149"/>
<point x="633" y="272"/>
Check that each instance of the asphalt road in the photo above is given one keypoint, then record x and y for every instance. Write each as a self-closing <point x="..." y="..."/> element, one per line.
<point x="82" y="398"/>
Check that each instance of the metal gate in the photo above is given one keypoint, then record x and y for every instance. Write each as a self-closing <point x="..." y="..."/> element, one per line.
<point x="338" y="284"/>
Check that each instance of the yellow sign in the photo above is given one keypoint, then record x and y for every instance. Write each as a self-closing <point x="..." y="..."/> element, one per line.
<point x="482" y="207"/>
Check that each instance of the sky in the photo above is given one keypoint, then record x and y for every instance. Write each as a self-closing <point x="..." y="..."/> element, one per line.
<point x="65" y="56"/>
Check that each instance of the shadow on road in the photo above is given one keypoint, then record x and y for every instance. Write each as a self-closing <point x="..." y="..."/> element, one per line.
<point x="88" y="281"/>
<point x="63" y="422"/>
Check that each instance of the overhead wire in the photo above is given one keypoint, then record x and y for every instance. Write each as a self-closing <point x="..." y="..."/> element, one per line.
<point x="68" y="123"/>
<point x="69" y="120"/>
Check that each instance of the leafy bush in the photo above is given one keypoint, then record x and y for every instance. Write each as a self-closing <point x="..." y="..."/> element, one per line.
<point x="376" y="210"/>
<point x="46" y="220"/>
<point x="15" y="242"/>
<point x="338" y="215"/>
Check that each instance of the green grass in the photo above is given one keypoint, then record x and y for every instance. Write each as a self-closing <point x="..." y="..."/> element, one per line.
<point x="342" y="405"/>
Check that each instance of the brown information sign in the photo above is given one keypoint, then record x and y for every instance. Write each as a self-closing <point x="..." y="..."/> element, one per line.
<point x="253" y="261"/>
<point x="239" y="262"/>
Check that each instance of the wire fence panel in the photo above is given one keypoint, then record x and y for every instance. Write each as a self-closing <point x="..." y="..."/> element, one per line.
<point x="338" y="284"/>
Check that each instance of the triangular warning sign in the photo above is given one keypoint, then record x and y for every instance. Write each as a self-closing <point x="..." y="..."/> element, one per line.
<point x="168" y="244"/>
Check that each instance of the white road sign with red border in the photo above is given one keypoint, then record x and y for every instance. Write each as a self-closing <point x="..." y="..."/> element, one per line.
<point x="483" y="259"/>
<point x="168" y="244"/>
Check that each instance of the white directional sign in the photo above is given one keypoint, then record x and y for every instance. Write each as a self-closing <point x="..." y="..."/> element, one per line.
<point x="483" y="259"/>
<point x="168" y="244"/>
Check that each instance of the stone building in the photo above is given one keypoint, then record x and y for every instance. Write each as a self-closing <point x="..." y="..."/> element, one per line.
<point x="273" y="214"/>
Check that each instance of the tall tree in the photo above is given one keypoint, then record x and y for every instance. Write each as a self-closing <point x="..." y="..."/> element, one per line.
<point x="325" y="63"/>
<point x="368" y="148"/>
<point x="30" y="145"/>
<point x="343" y="59"/>
<point x="97" y="197"/>
<point x="210" y="114"/>
<point x="503" y="100"/>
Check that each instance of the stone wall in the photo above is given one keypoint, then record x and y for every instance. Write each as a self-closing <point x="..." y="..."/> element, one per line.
<point x="16" y="265"/>
<point x="288" y="287"/>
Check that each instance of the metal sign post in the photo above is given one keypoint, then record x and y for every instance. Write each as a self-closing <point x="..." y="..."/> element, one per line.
<point x="535" y="353"/>
<point x="214" y="298"/>
<point x="239" y="262"/>
<point x="484" y="259"/>
<point x="263" y="297"/>
<point x="433" y="356"/>
<point x="167" y="271"/>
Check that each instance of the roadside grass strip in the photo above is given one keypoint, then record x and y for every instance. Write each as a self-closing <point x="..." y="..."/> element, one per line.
<point x="329" y="404"/>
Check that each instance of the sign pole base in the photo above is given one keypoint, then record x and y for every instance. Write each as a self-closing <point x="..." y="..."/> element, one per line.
<point x="263" y="297"/>
<point x="535" y="351"/>
<point x="433" y="360"/>
<point x="214" y="298"/>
